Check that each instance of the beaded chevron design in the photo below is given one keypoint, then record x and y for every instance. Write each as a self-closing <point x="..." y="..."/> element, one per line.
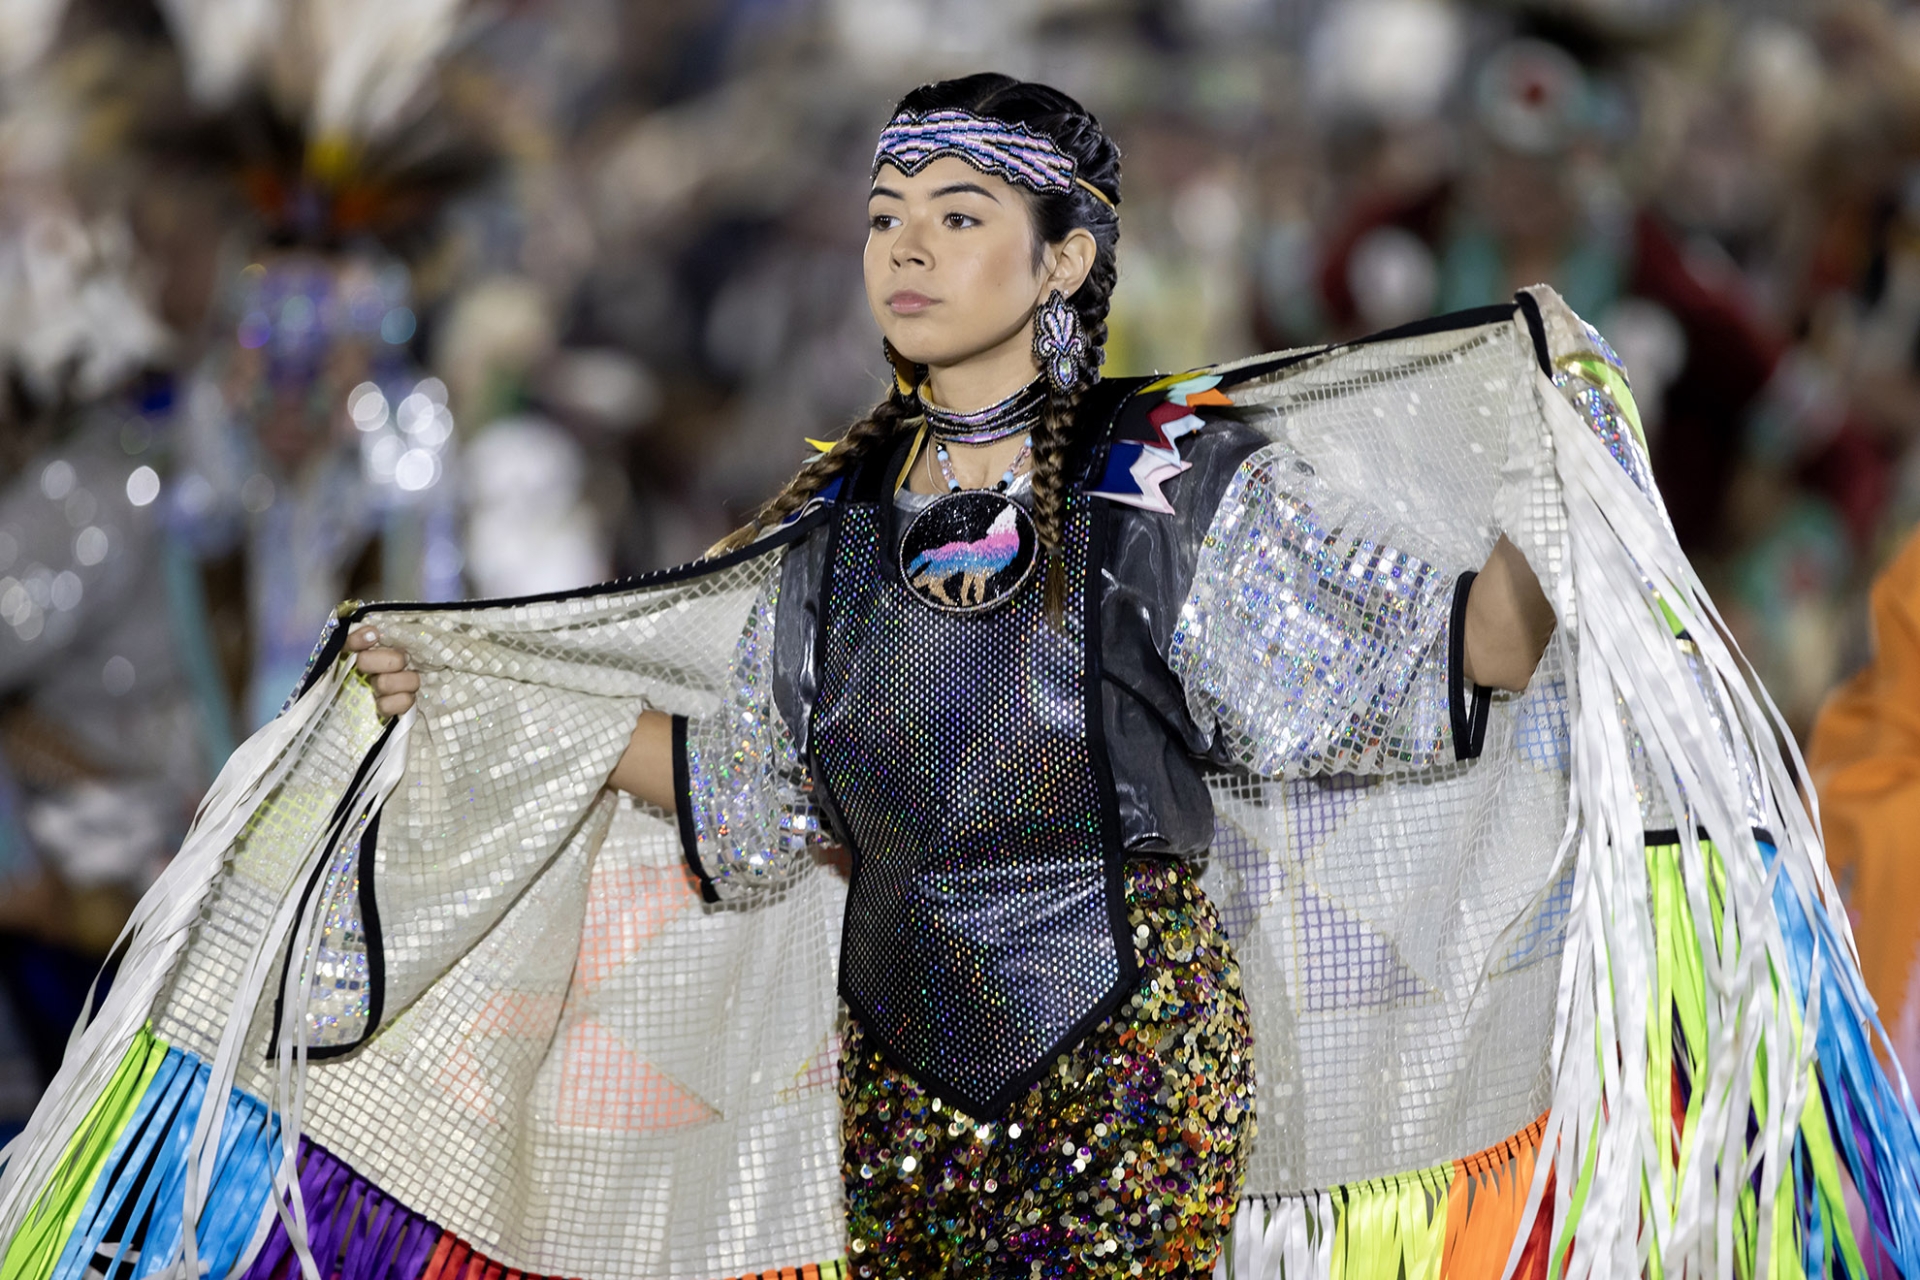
<point x="911" y="142"/>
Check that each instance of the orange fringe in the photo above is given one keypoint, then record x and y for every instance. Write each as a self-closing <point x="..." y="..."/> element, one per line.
<point x="454" y="1259"/>
<point x="1485" y="1201"/>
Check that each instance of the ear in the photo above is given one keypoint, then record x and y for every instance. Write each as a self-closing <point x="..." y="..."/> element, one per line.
<point x="1069" y="263"/>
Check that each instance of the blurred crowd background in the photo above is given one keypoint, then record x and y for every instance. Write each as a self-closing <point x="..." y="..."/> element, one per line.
<point x="304" y="300"/>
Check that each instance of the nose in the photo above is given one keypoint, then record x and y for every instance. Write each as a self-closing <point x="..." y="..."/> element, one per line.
<point x="909" y="246"/>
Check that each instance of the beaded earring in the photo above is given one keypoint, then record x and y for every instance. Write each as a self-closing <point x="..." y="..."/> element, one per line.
<point x="1058" y="345"/>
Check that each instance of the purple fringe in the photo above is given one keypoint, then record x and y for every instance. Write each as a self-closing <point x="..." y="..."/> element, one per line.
<point x="358" y="1231"/>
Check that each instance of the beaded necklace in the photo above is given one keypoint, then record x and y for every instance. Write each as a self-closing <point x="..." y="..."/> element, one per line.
<point x="1006" y="481"/>
<point x="1018" y="412"/>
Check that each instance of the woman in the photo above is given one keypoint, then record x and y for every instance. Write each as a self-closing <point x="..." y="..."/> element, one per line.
<point x="992" y="217"/>
<point x="1041" y="650"/>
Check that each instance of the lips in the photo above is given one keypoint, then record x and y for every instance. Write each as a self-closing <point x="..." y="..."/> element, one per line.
<point x="906" y="302"/>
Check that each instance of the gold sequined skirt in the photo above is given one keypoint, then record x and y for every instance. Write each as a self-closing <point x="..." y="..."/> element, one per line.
<point x="1125" y="1159"/>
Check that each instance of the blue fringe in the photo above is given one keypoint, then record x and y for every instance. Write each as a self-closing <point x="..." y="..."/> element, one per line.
<point x="1872" y="1117"/>
<point x="141" y="1191"/>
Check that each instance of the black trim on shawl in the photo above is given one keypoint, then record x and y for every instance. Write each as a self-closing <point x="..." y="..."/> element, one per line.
<point x="790" y="532"/>
<point x="1656" y="836"/>
<point x="370" y="927"/>
<point x="369" y="914"/>
<point x="683" y="812"/>
<point x="1467" y="714"/>
<point x="1450" y="322"/>
<point x="1537" y="328"/>
<point x="1468" y="318"/>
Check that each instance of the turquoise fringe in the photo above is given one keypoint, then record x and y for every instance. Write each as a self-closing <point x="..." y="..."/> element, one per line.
<point x="141" y="1190"/>
<point x="1871" y="1116"/>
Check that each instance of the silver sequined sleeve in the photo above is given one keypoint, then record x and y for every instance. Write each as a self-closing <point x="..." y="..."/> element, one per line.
<point x="1309" y="642"/>
<point x="747" y="813"/>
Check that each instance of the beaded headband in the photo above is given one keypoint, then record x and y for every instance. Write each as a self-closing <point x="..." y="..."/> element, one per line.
<point x="1013" y="151"/>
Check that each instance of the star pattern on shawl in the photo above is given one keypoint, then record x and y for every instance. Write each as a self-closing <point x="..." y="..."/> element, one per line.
<point x="474" y="1075"/>
<point x="1136" y="469"/>
<point x="604" y="1081"/>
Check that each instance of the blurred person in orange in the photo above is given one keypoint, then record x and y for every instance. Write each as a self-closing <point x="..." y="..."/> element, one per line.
<point x="1865" y="759"/>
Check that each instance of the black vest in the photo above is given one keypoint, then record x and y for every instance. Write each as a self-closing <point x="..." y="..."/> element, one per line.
<point x="959" y="756"/>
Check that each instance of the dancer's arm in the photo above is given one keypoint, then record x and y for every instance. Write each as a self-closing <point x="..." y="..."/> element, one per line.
<point x="645" y="769"/>
<point x="1509" y="621"/>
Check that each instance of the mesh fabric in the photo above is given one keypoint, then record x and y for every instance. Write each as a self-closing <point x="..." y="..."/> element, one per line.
<point x="581" y="1068"/>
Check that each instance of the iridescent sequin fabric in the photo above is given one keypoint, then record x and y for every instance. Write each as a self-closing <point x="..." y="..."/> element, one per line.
<point x="1604" y="415"/>
<point x="980" y="937"/>
<point x="1125" y="1159"/>
<point x="753" y="813"/>
<point x="1312" y="641"/>
<point x="339" y="999"/>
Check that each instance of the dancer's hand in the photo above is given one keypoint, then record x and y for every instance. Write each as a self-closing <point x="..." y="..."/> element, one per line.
<point x="386" y="670"/>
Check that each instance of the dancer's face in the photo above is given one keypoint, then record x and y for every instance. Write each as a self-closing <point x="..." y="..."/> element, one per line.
<point x="953" y="267"/>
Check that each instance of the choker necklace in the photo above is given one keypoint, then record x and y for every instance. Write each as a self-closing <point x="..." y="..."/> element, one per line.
<point x="1018" y="412"/>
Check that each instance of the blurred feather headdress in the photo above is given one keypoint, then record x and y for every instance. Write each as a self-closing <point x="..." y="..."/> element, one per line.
<point x="331" y="111"/>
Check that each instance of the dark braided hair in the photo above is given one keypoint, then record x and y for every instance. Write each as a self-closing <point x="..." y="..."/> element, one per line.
<point x="1096" y="159"/>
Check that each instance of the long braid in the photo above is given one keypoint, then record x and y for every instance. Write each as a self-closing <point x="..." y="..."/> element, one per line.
<point x="869" y="433"/>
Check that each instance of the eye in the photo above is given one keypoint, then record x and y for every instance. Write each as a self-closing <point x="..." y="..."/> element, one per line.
<point x="959" y="221"/>
<point x="882" y="222"/>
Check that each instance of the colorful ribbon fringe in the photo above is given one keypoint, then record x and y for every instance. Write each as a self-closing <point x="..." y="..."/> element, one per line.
<point x="1869" y="1115"/>
<point x="114" y="1210"/>
<point x="373" y="1236"/>
<point x="123" y="1177"/>
<point x="1811" y="1232"/>
<point x="1456" y="1220"/>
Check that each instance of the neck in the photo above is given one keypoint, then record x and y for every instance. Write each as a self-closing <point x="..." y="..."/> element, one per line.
<point x="985" y="378"/>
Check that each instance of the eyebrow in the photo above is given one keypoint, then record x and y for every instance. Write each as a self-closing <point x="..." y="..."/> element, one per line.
<point x="951" y="189"/>
<point x="961" y="188"/>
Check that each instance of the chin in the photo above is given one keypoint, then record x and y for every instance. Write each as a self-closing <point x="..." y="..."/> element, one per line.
<point x="922" y="352"/>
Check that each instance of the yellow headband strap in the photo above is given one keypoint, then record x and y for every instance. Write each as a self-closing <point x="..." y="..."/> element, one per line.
<point x="1096" y="192"/>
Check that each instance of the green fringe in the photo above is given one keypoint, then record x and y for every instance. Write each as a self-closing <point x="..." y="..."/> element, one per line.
<point x="1677" y="1039"/>
<point x="1392" y="1226"/>
<point x="34" y="1251"/>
